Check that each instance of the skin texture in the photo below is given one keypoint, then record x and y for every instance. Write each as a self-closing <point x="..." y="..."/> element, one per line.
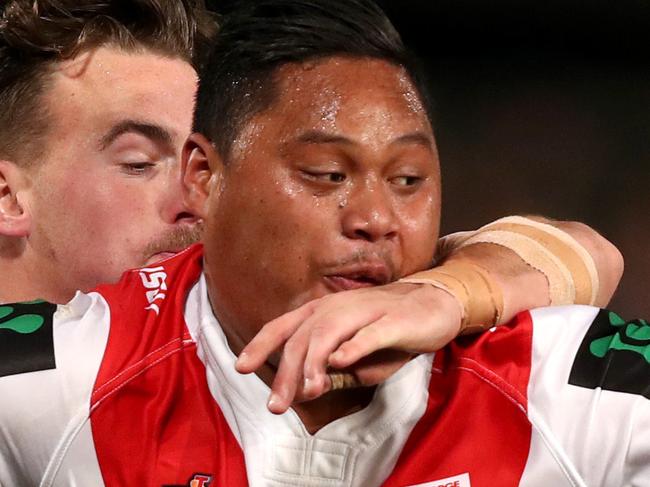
<point x="342" y="180"/>
<point x="104" y="195"/>
<point x="369" y="331"/>
<point x="121" y="206"/>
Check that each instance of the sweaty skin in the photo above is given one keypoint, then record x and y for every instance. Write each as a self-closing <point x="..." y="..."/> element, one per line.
<point x="104" y="195"/>
<point x="354" y="329"/>
<point x="342" y="202"/>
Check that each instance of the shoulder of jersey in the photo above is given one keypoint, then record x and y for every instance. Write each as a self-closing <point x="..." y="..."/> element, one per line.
<point x="26" y="337"/>
<point x="614" y="355"/>
<point x="27" y="329"/>
<point x="157" y="277"/>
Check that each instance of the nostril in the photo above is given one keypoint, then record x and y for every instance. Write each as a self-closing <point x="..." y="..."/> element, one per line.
<point x="363" y="234"/>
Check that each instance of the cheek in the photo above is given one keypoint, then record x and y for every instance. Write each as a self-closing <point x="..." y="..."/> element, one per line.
<point x="420" y="227"/>
<point x="275" y="228"/>
<point x="104" y="217"/>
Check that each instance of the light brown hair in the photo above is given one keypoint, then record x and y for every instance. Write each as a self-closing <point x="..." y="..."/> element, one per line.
<point x="35" y="34"/>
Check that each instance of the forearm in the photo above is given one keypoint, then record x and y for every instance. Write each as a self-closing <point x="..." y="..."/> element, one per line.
<point x="517" y="263"/>
<point x="521" y="286"/>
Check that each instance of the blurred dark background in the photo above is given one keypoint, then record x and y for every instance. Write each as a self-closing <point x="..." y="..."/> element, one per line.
<point x="542" y="108"/>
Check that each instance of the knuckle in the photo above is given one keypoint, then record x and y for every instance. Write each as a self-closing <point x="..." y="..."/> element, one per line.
<point x="291" y="348"/>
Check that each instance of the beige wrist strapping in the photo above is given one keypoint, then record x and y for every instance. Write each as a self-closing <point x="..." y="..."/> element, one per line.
<point x="569" y="269"/>
<point x="479" y="297"/>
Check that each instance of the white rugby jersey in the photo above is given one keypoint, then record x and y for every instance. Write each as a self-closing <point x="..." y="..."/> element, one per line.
<point x="134" y="385"/>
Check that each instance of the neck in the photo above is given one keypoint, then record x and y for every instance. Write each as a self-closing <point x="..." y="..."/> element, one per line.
<point x="238" y="319"/>
<point x="25" y="278"/>
<point x="317" y="413"/>
<point x="334" y="405"/>
<point x="314" y="414"/>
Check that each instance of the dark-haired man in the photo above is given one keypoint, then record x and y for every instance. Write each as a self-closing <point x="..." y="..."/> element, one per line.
<point x="143" y="395"/>
<point x="96" y="104"/>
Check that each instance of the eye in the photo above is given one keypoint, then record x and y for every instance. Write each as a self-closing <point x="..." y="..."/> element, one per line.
<point x="406" y="180"/>
<point x="326" y="177"/>
<point x="137" y="168"/>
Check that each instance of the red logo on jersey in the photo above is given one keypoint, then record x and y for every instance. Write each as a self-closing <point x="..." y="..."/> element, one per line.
<point x="200" y="480"/>
<point x="197" y="480"/>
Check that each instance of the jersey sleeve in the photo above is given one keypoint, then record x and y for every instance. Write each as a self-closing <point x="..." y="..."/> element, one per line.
<point x="48" y="362"/>
<point x="637" y="464"/>
<point x="589" y="396"/>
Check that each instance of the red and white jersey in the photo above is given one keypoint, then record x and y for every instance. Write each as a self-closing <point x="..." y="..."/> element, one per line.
<point x="134" y="385"/>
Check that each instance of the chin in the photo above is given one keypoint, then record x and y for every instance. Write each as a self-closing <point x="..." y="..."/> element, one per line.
<point x="316" y="292"/>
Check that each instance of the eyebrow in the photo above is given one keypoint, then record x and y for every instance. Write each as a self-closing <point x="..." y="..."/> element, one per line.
<point x="419" y="138"/>
<point x="149" y="130"/>
<point x="318" y="137"/>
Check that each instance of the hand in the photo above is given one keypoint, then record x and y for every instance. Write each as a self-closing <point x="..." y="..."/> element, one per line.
<point x="371" y="332"/>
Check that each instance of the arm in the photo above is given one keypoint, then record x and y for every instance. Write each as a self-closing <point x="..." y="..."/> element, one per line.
<point x="349" y="329"/>
<point x="607" y="258"/>
<point x="527" y="263"/>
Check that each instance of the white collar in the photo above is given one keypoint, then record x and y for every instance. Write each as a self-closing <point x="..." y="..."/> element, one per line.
<point x="278" y="449"/>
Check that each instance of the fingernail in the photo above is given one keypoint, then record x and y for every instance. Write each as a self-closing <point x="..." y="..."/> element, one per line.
<point x="307" y="386"/>
<point x="242" y="359"/>
<point x="274" y="401"/>
<point x="336" y="356"/>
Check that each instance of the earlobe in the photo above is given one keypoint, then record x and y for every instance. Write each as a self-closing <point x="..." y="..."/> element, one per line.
<point x="15" y="220"/>
<point x="201" y="168"/>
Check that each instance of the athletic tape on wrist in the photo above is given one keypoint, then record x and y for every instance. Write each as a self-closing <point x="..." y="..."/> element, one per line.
<point x="568" y="267"/>
<point x="479" y="297"/>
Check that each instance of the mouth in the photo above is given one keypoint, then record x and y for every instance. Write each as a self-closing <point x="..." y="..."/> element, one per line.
<point x="360" y="276"/>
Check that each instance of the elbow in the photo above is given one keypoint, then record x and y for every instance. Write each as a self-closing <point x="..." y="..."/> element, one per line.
<point x="607" y="258"/>
<point x="612" y="271"/>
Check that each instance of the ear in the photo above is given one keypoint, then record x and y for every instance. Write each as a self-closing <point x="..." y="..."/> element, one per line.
<point x="15" y="219"/>
<point x="201" y="170"/>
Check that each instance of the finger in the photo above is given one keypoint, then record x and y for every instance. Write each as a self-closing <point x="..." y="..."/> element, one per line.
<point x="289" y="374"/>
<point x="309" y="390"/>
<point x="333" y="380"/>
<point x="380" y="366"/>
<point x="384" y="333"/>
<point x="329" y="331"/>
<point x="271" y="337"/>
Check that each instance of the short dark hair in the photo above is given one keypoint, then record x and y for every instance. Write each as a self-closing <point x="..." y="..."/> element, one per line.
<point x="257" y="37"/>
<point x="35" y="34"/>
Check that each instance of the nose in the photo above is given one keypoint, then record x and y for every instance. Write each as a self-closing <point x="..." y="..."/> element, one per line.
<point x="368" y="213"/>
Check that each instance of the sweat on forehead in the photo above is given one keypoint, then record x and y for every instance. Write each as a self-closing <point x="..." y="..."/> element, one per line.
<point x="313" y="94"/>
<point x="328" y="90"/>
<point x="259" y="37"/>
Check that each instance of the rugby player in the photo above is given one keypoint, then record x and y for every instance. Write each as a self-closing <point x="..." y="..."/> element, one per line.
<point x="136" y="383"/>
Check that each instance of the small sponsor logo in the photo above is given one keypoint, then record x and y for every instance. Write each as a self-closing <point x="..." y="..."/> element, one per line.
<point x="200" y="480"/>
<point x="631" y="336"/>
<point x="456" y="481"/>
<point x="26" y="337"/>
<point x="614" y="355"/>
<point x="197" y="480"/>
<point x="155" y="280"/>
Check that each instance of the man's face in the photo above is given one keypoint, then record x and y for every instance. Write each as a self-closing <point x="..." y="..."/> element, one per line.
<point x="334" y="187"/>
<point x="105" y="196"/>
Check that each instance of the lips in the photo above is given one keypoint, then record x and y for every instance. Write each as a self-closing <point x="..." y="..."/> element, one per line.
<point x="359" y="276"/>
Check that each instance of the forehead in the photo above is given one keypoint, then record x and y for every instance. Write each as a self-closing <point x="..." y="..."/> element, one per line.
<point x="100" y="88"/>
<point x="349" y="94"/>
